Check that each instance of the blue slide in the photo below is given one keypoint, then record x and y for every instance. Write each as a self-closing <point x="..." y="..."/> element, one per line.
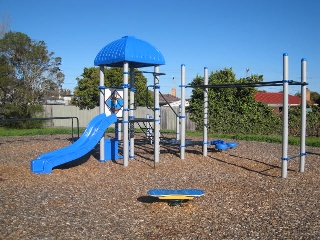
<point x="88" y="140"/>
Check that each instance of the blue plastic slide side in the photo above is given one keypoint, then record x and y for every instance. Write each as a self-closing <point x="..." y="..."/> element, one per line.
<point x="190" y="192"/>
<point x="88" y="140"/>
<point x="92" y="124"/>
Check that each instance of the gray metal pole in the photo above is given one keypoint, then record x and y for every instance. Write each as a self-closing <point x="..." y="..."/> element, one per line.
<point x="131" y="113"/>
<point x="284" y="167"/>
<point x="101" y="110"/>
<point x="205" y="114"/>
<point x="183" y="112"/>
<point x="178" y="126"/>
<point x="119" y="132"/>
<point x="156" y="115"/>
<point x="303" y="114"/>
<point x="125" y="120"/>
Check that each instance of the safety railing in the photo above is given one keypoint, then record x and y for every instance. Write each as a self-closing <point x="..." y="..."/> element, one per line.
<point x="44" y="119"/>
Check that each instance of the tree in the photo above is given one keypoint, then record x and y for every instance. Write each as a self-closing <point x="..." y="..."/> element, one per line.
<point x="232" y="110"/>
<point x="314" y="96"/>
<point x="27" y="69"/>
<point x="86" y="94"/>
<point x="312" y="121"/>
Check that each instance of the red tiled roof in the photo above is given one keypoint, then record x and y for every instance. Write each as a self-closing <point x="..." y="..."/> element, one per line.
<point x="275" y="98"/>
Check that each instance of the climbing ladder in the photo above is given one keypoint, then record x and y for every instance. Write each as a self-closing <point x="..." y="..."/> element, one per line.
<point x="148" y="130"/>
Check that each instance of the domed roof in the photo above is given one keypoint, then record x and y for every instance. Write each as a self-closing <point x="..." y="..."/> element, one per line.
<point x="137" y="52"/>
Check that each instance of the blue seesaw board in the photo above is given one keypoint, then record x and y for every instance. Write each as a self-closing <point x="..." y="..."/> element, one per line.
<point x="176" y="194"/>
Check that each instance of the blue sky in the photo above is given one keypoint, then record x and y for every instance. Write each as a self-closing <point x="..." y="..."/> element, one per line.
<point x="216" y="34"/>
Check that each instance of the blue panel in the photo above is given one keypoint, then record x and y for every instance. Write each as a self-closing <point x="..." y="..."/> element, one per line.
<point x="137" y="52"/>
<point x="111" y="147"/>
<point x="191" y="192"/>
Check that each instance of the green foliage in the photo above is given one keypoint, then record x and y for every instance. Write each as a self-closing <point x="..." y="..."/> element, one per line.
<point x="26" y="68"/>
<point x="312" y="121"/>
<point x="114" y="78"/>
<point x="18" y="111"/>
<point x="314" y="97"/>
<point x="294" y="123"/>
<point x="232" y="110"/>
<point x="86" y="94"/>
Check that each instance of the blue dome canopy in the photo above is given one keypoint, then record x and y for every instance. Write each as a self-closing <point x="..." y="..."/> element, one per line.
<point x="137" y="52"/>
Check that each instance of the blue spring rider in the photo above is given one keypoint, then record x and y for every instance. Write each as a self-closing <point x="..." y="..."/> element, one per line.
<point x="221" y="145"/>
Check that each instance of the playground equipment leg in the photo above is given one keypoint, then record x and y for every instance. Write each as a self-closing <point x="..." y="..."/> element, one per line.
<point x="284" y="167"/>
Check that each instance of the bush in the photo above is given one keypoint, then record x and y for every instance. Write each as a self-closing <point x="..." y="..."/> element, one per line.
<point x="23" y="111"/>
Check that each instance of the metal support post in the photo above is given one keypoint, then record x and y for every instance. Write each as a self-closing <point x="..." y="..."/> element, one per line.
<point x="183" y="113"/>
<point x="205" y="114"/>
<point x="132" y="90"/>
<point x="284" y="165"/>
<point x="303" y="114"/>
<point x="156" y="115"/>
<point x="125" y="121"/>
<point x="101" y="110"/>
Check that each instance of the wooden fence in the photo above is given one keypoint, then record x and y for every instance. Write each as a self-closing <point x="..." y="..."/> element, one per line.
<point x="168" y="118"/>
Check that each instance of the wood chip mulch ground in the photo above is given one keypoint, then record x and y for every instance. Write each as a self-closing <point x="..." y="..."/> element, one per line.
<point x="245" y="196"/>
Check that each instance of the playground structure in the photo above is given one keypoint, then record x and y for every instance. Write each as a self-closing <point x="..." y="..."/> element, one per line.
<point x="284" y="83"/>
<point x="129" y="53"/>
<point x="120" y="53"/>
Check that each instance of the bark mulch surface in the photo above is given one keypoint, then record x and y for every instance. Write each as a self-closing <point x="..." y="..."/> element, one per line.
<point x="245" y="196"/>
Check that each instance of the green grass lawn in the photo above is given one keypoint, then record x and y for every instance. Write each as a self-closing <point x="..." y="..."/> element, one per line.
<point x="310" y="141"/>
<point x="5" y="132"/>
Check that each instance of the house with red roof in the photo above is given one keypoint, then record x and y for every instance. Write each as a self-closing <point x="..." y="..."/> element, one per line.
<point x="164" y="99"/>
<point x="275" y="99"/>
<point x="171" y="99"/>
